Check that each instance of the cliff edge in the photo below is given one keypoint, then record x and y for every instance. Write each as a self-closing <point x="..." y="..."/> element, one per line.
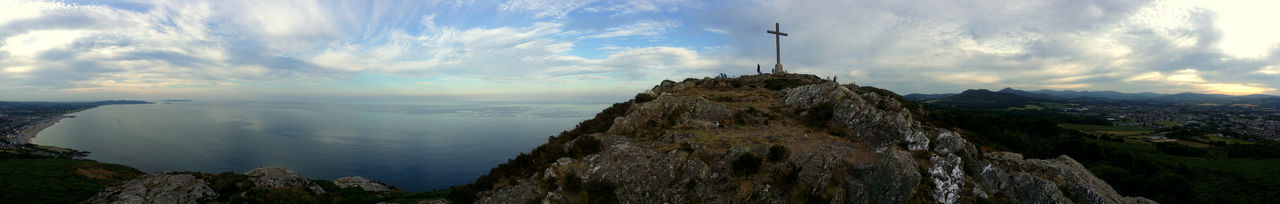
<point x="783" y="138"/>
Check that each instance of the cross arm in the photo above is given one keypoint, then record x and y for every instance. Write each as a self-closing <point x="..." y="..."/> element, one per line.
<point x="776" y="32"/>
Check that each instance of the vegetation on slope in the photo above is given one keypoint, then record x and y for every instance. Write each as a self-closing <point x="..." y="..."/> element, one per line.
<point x="28" y="178"/>
<point x="1164" y="172"/>
<point x="525" y="165"/>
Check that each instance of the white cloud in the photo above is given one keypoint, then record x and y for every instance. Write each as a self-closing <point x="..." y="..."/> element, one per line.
<point x="544" y="8"/>
<point x="1269" y="70"/>
<point x="643" y="28"/>
<point x="1185" y="76"/>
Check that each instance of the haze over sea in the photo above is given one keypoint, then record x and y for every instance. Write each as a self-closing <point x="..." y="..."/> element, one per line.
<point x="415" y="147"/>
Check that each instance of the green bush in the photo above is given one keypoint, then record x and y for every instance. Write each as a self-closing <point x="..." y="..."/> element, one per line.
<point x="642" y="98"/>
<point x="778" y="153"/>
<point x="599" y="191"/>
<point x="747" y="164"/>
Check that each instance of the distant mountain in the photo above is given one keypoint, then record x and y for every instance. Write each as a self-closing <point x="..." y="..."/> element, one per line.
<point x="986" y="99"/>
<point x="1027" y="93"/>
<point x="925" y="97"/>
<point x="1069" y="94"/>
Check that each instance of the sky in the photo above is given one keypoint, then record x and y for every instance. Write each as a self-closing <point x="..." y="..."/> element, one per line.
<point x="609" y="50"/>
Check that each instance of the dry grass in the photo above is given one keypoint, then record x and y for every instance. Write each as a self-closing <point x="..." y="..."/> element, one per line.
<point x="96" y="173"/>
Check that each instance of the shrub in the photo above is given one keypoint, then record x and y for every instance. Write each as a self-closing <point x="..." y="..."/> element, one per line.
<point x="819" y="114"/>
<point x="571" y="182"/>
<point x="747" y="164"/>
<point x="584" y="146"/>
<point x="599" y="191"/>
<point x="778" y="153"/>
<point x="642" y="98"/>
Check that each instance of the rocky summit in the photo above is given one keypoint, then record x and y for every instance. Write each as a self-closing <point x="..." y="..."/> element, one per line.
<point x="784" y="138"/>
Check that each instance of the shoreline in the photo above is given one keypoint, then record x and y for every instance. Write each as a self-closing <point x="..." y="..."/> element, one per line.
<point x="30" y="133"/>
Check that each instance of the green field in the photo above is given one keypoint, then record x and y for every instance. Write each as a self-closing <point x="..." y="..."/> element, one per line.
<point x="1027" y="107"/>
<point x="1228" y="140"/>
<point x="1096" y="128"/>
<point x="1168" y="123"/>
<point x="1052" y="105"/>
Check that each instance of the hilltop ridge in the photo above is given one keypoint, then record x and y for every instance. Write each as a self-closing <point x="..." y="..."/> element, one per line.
<point x="776" y="138"/>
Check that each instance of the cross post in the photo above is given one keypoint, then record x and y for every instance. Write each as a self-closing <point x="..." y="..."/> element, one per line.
<point x="777" y="42"/>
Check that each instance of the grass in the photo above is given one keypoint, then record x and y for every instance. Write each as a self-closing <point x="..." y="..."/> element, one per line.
<point x="1167" y="123"/>
<point x="1228" y="140"/>
<point x="1054" y="105"/>
<point x="1027" y="107"/>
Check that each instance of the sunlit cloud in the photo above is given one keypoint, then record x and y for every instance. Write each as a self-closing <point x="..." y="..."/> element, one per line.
<point x="152" y="48"/>
<point x="1234" y="89"/>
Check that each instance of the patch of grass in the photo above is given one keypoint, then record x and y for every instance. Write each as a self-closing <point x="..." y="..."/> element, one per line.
<point x="1168" y="123"/>
<point x="1052" y="105"/>
<point x="782" y="83"/>
<point x="1027" y="107"/>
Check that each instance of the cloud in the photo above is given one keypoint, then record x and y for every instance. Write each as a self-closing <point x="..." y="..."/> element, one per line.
<point x="907" y="46"/>
<point x="1234" y="89"/>
<point x="645" y="28"/>
<point x="1269" y="70"/>
<point x="544" y="8"/>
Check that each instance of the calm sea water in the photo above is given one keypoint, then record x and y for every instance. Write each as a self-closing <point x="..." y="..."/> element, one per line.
<point x="415" y="147"/>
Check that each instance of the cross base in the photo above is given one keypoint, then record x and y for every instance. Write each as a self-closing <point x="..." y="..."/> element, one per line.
<point x="777" y="69"/>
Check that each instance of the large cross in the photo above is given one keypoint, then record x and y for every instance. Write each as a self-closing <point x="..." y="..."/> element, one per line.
<point x="777" y="40"/>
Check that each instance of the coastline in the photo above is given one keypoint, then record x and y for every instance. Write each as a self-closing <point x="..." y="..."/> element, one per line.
<point x="30" y="133"/>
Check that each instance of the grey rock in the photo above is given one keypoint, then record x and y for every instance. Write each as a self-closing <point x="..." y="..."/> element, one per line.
<point x="362" y="183"/>
<point x="157" y="188"/>
<point x="687" y="111"/>
<point x="519" y="193"/>
<point x="871" y="122"/>
<point x="275" y="177"/>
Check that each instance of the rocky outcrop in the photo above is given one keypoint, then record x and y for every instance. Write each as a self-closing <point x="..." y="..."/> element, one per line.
<point x="794" y="138"/>
<point x="275" y="177"/>
<point x="163" y="187"/>
<point x="260" y="185"/>
<point x="679" y="111"/>
<point x="363" y="183"/>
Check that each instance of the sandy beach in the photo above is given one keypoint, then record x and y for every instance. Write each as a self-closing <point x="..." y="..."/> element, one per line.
<point x="30" y="133"/>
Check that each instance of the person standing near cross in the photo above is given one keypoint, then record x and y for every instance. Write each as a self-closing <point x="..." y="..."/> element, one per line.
<point x="777" y="40"/>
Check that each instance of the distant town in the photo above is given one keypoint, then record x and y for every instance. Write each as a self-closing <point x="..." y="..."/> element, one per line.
<point x="1239" y="118"/>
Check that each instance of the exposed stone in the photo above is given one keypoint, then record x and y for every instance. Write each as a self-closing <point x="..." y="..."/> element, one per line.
<point x="275" y="177"/>
<point x="519" y="193"/>
<point x="157" y="188"/>
<point x="362" y="183"/>
<point x="684" y="111"/>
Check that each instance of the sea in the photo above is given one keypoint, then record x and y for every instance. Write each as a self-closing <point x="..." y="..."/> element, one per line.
<point x="415" y="147"/>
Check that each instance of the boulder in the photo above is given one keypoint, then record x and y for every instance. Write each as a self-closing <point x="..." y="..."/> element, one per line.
<point x="363" y="183"/>
<point x="275" y="177"/>
<point x="157" y="188"/>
